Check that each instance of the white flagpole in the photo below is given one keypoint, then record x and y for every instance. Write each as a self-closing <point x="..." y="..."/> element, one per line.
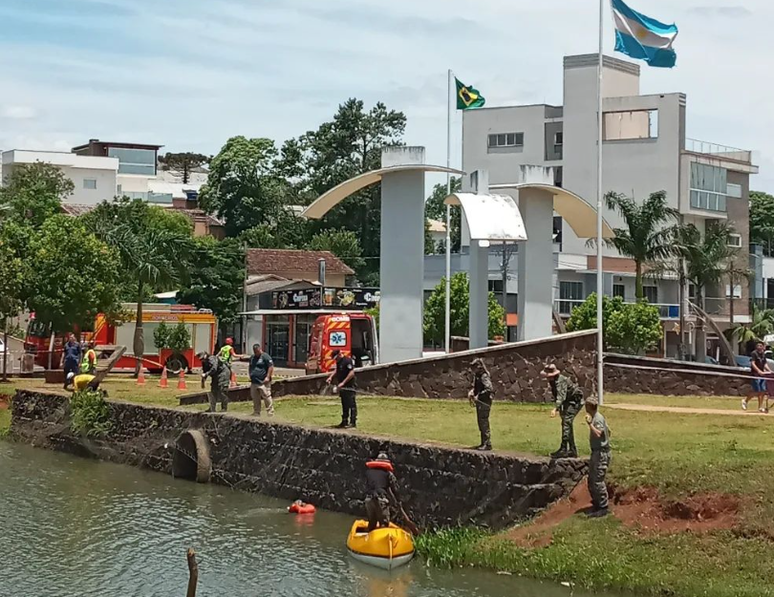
<point x="447" y="313"/>
<point x="600" y="269"/>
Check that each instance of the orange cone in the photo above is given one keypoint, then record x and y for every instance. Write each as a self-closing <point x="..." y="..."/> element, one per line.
<point x="233" y="380"/>
<point x="141" y="377"/>
<point x="181" y="381"/>
<point x="163" y="381"/>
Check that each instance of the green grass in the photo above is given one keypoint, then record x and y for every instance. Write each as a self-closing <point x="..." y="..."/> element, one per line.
<point x="714" y="402"/>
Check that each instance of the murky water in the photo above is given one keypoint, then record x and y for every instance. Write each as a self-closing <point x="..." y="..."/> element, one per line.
<point x="75" y="527"/>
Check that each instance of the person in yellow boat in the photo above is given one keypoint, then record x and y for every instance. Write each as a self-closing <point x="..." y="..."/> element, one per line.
<point x="382" y="488"/>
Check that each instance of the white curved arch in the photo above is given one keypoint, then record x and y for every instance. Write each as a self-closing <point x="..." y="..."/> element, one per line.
<point x="328" y="200"/>
<point x="491" y="217"/>
<point x="579" y="214"/>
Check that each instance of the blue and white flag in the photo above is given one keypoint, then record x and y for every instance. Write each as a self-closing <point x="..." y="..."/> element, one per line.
<point x="643" y="38"/>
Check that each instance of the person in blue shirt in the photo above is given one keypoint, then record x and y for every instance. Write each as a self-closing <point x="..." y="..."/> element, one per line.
<point x="71" y="357"/>
<point x="261" y="369"/>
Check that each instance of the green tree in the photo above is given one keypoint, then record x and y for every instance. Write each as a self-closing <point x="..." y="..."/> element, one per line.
<point x="183" y="162"/>
<point x="634" y="329"/>
<point x="762" y="220"/>
<point x="761" y="325"/>
<point x="435" y="309"/>
<point x="435" y="209"/>
<point x="342" y="243"/>
<point x="648" y="232"/>
<point x="627" y="328"/>
<point x="161" y="336"/>
<point x="706" y="259"/>
<point x="216" y="279"/>
<point x="242" y="187"/>
<point x="69" y="289"/>
<point x="180" y="338"/>
<point x="344" y="147"/>
<point x="153" y="254"/>
<point x="34" y="192"/>
<point x="12" y="284"/>
<point x="287" y="230"/>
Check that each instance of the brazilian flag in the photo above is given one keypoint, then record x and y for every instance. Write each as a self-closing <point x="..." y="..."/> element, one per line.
<point x="468" y="97"/>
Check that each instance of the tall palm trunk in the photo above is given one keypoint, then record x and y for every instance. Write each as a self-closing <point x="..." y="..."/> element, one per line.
<point x="5" y="349"/>
<point x="734" y="345"/>
<point x="700" y="344"/>
<point x="139" y="333"/>
<point x="639" y="293"/>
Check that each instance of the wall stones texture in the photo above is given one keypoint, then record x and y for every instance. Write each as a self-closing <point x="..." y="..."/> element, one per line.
<point x="440" y="486"/>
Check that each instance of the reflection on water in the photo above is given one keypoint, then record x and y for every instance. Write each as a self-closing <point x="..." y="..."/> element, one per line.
<point x="76" y="527"/>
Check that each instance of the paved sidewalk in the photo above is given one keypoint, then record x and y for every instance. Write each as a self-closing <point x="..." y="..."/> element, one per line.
<point x="751" y="412"/>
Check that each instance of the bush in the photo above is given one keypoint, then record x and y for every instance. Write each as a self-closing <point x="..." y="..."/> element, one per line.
<point x="180" y="338"/>
<point x="90" y="414"/>
<point x="161" y="336"/>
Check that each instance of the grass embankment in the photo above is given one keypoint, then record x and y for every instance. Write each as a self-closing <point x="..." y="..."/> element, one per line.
<point x="680" y="454"/>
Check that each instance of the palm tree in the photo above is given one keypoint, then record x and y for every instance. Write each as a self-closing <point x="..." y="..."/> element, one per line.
<point x="647" y="238"/>
<point x="151" y="257"/>
<point x="707" y="259"/>
<point x="760" y="326"/>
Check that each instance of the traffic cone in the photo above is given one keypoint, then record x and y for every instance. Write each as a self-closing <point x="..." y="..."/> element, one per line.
<point x="233" y="380"/>
<point x="141" y="377"/>
<point x="163" y="381"/>
<point x="181" y="381"/>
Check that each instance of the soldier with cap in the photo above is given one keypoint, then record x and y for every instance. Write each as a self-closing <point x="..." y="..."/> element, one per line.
<point x="599" y="438"/>
<point x="480" y="396"/>
<point x="220" y="374"/>
<point x="344" y="374"/>
<point x="568" y="400"/>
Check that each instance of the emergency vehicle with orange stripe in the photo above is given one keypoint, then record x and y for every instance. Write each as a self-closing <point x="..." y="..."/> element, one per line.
<point x="354" y="334"/>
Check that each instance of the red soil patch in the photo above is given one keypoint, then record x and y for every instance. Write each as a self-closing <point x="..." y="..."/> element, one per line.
<point x="5" y="401"/>
<point x="641" y="508"/>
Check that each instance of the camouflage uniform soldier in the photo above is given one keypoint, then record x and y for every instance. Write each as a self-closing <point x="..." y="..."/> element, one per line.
<point x="220" y="373"/>
<point x="568" y="399"/>
<point x="599" y="438"/>
<point x="481" y="396"/>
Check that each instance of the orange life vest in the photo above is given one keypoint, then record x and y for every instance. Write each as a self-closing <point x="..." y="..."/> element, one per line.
<point x="380" y="464"/>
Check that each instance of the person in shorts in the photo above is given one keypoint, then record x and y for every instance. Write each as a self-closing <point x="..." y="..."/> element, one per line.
<point x="759" y="366"/>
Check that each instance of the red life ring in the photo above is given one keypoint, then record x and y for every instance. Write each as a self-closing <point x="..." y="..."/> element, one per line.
<point x="380" y="464"/>
<point x="301" y="508"/>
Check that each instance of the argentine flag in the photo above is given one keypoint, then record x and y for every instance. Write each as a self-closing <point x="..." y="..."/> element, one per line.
<point x="643" y="38"/>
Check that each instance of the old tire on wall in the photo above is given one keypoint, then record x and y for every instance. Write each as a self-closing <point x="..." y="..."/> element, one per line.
<point x="191" y="458"/>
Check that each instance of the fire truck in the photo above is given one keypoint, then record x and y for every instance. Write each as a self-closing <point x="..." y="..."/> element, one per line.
<point x="201" y="323"/>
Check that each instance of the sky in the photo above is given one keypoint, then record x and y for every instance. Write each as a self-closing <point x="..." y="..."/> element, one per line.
<point x="188" y="74"/>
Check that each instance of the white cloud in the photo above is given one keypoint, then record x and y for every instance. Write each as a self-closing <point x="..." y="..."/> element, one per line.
<point x="18" y="112"/>
<point x="190" y="73"/>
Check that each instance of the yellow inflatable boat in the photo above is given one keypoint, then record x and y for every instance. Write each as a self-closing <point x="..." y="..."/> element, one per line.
<point x="385" y="548"/>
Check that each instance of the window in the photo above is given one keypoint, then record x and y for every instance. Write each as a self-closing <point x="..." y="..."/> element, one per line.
<point x="90" y="183"/>
<point x="636" y="124"/>
<point x="737" y="291"/>
<point x="571" y="291"/>
<point x="708" y="187"/>
<point x="651" y="294"/>
<point x="619" y="290"/>
<point x="118" y="190"/>
<point x="558" y="173"/>
<point x="134" y="161"/>
<point x="558" y="138"/>
<point x="734" y="190"/>
<point x="735" y="240"/>
<point x="499" y="140"/>
<point x="558" y="231"/>
<point x="691" y="292"/>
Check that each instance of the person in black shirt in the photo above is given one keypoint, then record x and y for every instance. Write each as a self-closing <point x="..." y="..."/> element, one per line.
<point x="344" y="375"/>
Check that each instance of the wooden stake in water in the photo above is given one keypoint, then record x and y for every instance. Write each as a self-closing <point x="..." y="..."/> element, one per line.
<point x="193" y="573"/>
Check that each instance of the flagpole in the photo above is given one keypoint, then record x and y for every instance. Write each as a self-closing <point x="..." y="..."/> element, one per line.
<point x="447" y="311"/>
<point x="600" y="269"/>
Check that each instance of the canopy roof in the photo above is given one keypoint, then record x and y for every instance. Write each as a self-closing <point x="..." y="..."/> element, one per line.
<point x="491" y="217"/>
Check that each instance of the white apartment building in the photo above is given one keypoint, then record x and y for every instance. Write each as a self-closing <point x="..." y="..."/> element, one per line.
<point x="645" y="149"/>
<point x="94" y="178"/>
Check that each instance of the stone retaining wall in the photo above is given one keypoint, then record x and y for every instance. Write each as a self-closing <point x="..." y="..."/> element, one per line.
<point x="515" y="370"/>
<point x="643" y="379"/>
<point x="440" y="486"/>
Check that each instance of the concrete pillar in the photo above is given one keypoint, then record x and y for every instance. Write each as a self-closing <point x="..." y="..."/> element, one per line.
<point x="536" y="264"/>
<point x="402" y="257"/>
<point x="478" y="315"/>
<point x="478" y="312"/>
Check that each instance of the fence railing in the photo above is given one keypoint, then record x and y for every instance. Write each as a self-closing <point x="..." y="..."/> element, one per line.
<point x="665" y="310"/>
<point x="723" y="151"/>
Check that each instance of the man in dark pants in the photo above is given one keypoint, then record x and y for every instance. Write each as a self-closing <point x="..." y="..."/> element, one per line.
<point x="220" y="374"/>
<point x="568" y="400"/>
<point x="480" y="395"/>
<point x="71" y="358"/>
<point x="381" y="488"/>
<point x="345" y="386"/>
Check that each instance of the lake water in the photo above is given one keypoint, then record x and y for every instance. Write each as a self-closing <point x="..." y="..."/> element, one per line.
<point x="76" y="527"/>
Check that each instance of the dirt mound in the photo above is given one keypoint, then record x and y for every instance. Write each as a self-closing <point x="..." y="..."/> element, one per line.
<point x="641" y="508"/>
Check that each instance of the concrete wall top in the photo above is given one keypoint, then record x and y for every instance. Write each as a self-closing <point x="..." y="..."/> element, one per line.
<point x="401" y="155"/>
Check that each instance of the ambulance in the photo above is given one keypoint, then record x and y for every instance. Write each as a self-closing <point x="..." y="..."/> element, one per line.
<point x="354" y="334"/>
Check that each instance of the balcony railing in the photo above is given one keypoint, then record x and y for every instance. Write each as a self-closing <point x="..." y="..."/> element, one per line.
<point x="665" y="310"/>
<point x="721" y="151"/>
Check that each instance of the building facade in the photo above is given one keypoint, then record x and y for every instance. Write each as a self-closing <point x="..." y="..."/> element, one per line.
<point x="645" y="150"/>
